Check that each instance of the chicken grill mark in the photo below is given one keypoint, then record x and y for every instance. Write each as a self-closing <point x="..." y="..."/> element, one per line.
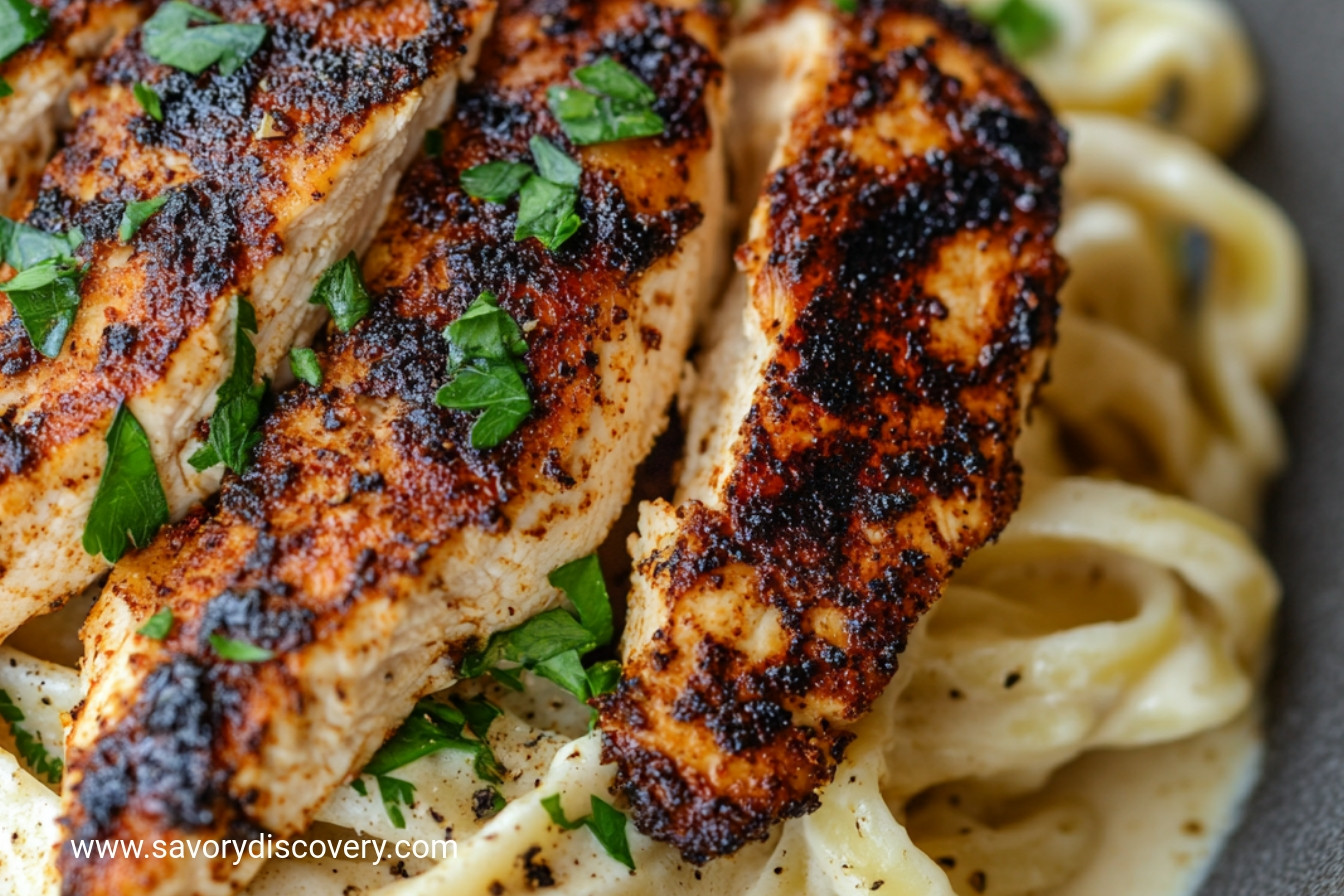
<point x="902" y="273"/>
<point x="364" y="528"/>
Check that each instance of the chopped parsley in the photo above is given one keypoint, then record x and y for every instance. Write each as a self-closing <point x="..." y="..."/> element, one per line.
<point x="496" y="181"/>
<point x="136" y="214"/>
<point x="552" y="643"/>
<point x="304" y="363"/>
<point x="170" y="38"/>
<point x="239" y="651"/>
<point x="237" y="403"/>
<point x="395" y="792"/>
<point x="485" y="371"/>
<point x="148" y="98"/>
<point x="158" y="626"/>
<point x="341" y="288"/>
<point x="45" y="293"/>
<point x="5" y="89"/>
<point x="434" y="142"/>
<point x="30" y="748"/>
<point x="46" y="299"/>
<point x="546" y="211"/>
<point x="434" y="726"/>
<point x="1021" y="27"/>
<point x="849" y="7"/>
<point x="22" y="246"/>
<point x="606" y="822"/>
<point x="21" y="23"/>
<point x="130" y="505"/>
<point x="546" y="198"/>
<point x="613" y="104"/>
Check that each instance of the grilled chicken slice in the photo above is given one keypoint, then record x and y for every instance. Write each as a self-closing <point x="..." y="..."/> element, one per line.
<point x="370" y="544"/>
<point x="41" y="76"/>
<point x="852" y="438"/>
<point x="273" y="173"/>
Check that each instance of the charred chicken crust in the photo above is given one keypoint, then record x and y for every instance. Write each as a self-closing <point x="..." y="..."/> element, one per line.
<point x="902" y="268"/>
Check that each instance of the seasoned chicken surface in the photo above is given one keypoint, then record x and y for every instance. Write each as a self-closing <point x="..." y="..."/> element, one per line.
<point x="852" y="436"/>
<point x="41" y="75"/>
<point x="370" y="545"/>
<point x="271" y="173"/>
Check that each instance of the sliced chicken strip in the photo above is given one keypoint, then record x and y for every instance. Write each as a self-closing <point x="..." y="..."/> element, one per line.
<point x="41" y="75"/>
<point x="272" y="174"/>
<point x="852" y="437"/>
<point x="370" y="545"/>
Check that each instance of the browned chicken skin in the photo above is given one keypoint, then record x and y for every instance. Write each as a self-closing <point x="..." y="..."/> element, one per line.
<point x="855" y="442"/>
<point x="370" y="544"/>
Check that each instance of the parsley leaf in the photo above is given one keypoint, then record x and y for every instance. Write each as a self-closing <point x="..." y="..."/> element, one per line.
<point x="847" y="6"/>
<point x="394" y="792"/>
<point x="341" y="288"/>
<point x="546" y="211"/>
<point x="583" y="584"/>
<point x="618" y="105"/>
<point x="553" y="164"/>
<point x="553" y="642"/>
<point x="159" y="625"/>
<point x="435" y="726"/>
<point x="304" y="363"/>
<point x="1021" y="27"/>
<point x="130" y="505"/>
<point x="237" y="403"/>
<point x="606" y="822"/>
<point x="22" y="246"/>
<point x="21" y="23"/>
<point x="485" y="371"/>
<point x="46" y="299"/>
<point x="170" y="39"/>
<point x="434" y="142"/>
<point x="136" y="214"/>
<point x="5" y="89"/>
<point x="546" y="635"/>
<point x="148" y="98"/>
<point x="495" y="181"/>
<point x="239" y="651"/>
<point x="30" y="748"/>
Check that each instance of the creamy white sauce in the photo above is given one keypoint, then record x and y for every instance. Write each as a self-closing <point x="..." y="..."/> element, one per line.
<point x="1162" y="812"/>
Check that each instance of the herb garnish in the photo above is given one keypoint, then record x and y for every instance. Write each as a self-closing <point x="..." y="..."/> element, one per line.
<point x="546" y="199"/>
<point x="304" y="363"/>
<point x="237" y="403"/>
<point x="434" y="142"/>
<point x="434" y="726"/>
<point x="136" y="214"/>
<point x="606" y="822"/>
<point x="342" y="290"/>
<point x="30" y="748"/>
<point x="485" y="371"/>
<point x="170" y="38"/>
<point x="552" y="644"/>
<point x="496" y="181"/>
<point x="158" y="626"/>
<point x="849" y="7"/>
<point x="45" y="294"/>
<point x="5" y="89"/>
<point x="616" y="105"/>
<point x="148" y="98"/>
<point x="1021" y="27"/>
<point x="22" y="246"/>
<point x="130" y="505"/>
<point x="21" y="23"/>
<point x="239" y="651"/>
<point x="394" y="792"/>
<point x="46" y="299"/>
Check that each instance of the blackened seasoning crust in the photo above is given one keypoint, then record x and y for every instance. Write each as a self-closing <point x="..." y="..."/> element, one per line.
<point x="369" y="544"/>
<point x="903" y="277"/>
